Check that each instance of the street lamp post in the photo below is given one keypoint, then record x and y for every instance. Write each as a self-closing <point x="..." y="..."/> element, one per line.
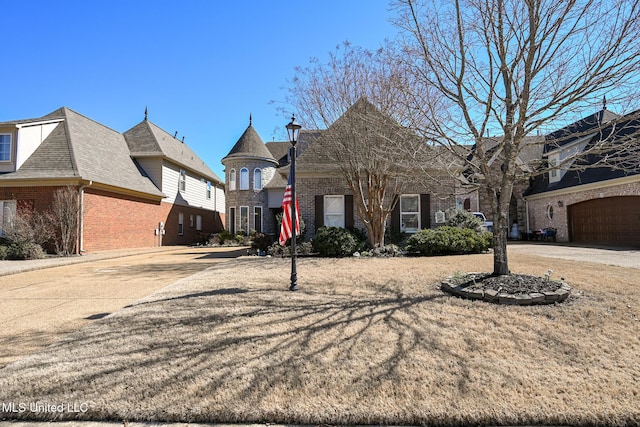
<point x="293" y="129"/>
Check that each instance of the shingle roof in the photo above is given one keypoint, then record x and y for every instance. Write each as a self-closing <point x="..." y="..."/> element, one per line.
<point x="580" y="129"/>
<point x="81" y="148"/>
<point x="147" y="139"/>
<point x="250" y="145"/>
<point x="622" y="131"/>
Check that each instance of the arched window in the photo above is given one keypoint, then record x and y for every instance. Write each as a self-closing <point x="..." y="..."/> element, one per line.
<point x="244" y="179"/>
<point x="257" y="179"/>
<point x="232" y="180"/>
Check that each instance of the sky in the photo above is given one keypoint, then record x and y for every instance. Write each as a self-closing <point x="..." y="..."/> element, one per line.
<point x="201" y="67"/>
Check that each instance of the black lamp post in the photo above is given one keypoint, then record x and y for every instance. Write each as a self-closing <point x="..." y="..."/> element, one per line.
<point x="293" y="129"/>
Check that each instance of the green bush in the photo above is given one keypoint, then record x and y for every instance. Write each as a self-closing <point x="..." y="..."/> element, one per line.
<point x="4" y="250"/>
<point x="449" y="240"/>
<point x="335" y="242"/>
<point x="305" y="248"/>
<point x="463" y="219"/>
<point x="260" y="242"/>
<point x="25" y="250"/>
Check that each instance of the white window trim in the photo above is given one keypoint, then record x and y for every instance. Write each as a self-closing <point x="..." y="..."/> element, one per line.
<point x="255" y="208"/>
<point x="257" y="183"/>
<point x="244" y="185"/>
<point x="182" y="182"/>
<point x="10" y="159"/>
<point x="248" y="229"/>
<point x="233" y="226"/>
<point x="402" y="228"/>
<point x="180" y="224"/>
<point x="198" y="222"/>
<point x="325" y="214"/>
<point x="232" y="180"/>
<point x="12" y="206"/>
<point x="208" y="190"/>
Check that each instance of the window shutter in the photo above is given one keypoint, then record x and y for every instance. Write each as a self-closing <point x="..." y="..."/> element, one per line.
<point x="319" y="211"/>
<point x="348" y="212"/>
<point x="425" y="210"/>
<point x="395" y="216"/>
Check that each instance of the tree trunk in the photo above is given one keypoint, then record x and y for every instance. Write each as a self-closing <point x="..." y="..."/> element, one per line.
<point x="500" y="261"/>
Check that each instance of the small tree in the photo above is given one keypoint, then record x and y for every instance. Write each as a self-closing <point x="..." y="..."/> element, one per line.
<point x="65" y="218"/>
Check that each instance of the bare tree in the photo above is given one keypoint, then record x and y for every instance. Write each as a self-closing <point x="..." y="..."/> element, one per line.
<point x="65" y="217"/>
<point x="353" y="97"/>
<point x="513" y="68"/>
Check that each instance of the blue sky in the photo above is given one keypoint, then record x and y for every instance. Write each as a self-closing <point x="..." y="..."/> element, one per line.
<point x="201" y="67"/>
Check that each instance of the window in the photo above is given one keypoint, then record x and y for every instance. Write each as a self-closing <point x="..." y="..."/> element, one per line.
<point x="183" y="180"/>
<point x="232" y="180"/>
<point x="334" y="211"/>
<point x="7" y="214"/>
<point x="554" y="173"/>
<point x="257" y="179"/>
<point x="410" y="213"/>
<point x="208" y="190"/>
<point x="550" y="212"/>
<point x="199" y="222"/>
<point x="257" y="219"/>
<point x="5" y="147"/>
<point x="180" y="224"/>
<point x="244" y="219"/>
<point x="232" y="220"/>
<point x="191" y="220"/>
<point x="244" y="179"/>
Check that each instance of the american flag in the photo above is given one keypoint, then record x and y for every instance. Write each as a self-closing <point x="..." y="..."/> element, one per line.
<point x="285" y="229"/>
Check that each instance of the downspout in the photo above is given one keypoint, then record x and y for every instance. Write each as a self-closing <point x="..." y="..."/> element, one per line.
<point x="526" y="209"/>
<point x="81" y="217"/>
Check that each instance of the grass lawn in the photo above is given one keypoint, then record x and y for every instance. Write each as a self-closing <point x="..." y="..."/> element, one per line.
<point x="364" y="341"/>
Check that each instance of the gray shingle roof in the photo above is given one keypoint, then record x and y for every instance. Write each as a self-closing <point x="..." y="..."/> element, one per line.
<point x="147" y="139"/>
<point x="250" y="145"/>
<point x="84" y="149"/>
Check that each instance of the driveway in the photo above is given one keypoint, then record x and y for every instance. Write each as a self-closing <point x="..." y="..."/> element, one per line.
<point x="60" y="295"/>
<point x="621" y="257"/>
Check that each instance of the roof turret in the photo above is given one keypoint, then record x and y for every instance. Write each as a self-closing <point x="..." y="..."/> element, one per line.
<point x="250" y="146"/>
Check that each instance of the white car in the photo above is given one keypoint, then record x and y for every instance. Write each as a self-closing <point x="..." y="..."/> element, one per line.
<point x="486" y="225"/>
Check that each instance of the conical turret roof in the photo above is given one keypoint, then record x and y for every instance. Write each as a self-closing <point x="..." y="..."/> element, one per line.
<point x="250" y="145"/>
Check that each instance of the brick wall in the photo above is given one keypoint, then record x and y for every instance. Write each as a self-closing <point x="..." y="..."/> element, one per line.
<point x="539" y="207"/>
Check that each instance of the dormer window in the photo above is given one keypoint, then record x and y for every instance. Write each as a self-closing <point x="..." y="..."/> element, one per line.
<point x="244" y="179"/>
<point x="5" y="147"/>
<point x="554" y="171"/>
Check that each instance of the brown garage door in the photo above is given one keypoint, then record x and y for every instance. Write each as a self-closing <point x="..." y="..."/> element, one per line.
<point x="609" y="221"/>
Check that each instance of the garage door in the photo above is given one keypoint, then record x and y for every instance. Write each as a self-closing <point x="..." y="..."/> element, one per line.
<point x="609" y="221"/>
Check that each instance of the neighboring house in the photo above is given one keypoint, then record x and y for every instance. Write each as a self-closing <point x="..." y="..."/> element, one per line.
<point x="528" y="160"/>
<point x="585" y="202"/>
<point x="256" y="176"/>
<point x="131" y="186"/>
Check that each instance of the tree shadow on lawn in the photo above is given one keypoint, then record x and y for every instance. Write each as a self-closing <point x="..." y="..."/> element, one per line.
<point x="227" y="346"/>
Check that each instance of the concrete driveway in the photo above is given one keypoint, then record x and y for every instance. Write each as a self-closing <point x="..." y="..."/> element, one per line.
<point x="56" y="296"/>
<point x="621" y="257"/>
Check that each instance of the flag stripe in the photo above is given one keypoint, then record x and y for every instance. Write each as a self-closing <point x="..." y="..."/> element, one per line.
<point x="285" y="229"/>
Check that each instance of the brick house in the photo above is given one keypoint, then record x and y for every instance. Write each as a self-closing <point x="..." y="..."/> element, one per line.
<point x="587" y="204"/>
<point x="256" y="176"/>
<point x="130" y="185"/>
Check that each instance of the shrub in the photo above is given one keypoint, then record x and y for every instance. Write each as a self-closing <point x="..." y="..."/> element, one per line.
<point x="260" y="242"/>
<point x="4" y="250"/>
<point x="305" y="248"/>
<point x="335" y="241"/>
<point x="24" y="250"/>
<point x="463" y="219"/>
<point x="449" y="240"/>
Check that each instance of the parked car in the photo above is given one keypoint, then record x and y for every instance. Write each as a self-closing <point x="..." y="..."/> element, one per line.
<point x="486" y="225"/>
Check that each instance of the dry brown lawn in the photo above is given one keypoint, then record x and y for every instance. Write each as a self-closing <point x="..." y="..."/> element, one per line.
<point x="364" y="341"/>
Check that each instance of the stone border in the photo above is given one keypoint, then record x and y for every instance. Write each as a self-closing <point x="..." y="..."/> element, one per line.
<point x="491" y="295"/>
